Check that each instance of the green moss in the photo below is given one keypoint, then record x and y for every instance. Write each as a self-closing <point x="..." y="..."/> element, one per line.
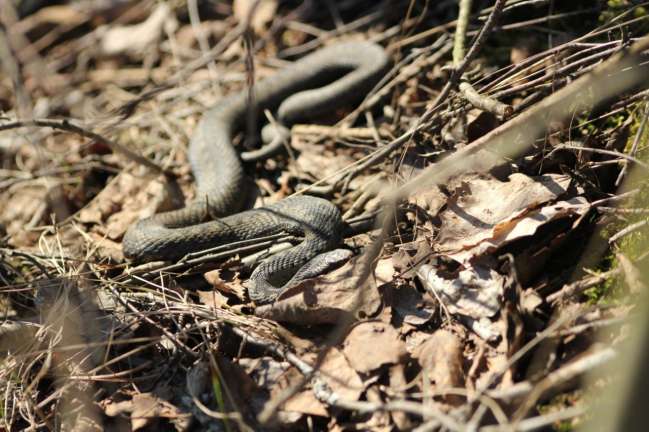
<point x="559" y="403"/>
<point x="636" y="243"/>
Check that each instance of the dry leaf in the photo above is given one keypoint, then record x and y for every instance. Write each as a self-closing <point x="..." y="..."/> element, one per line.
<point x="340" y="376"/>
<point x="384" y="271"/>
<point x="147" y="407"/>
<point x="476" y="291"/>
<point x="120" y="203"/>
<point x="136" y="38"/>
<point x="372" y="344"/>
<point x="411" y="307"/>
<point x="431" y="200"/>
<point x="264" y="13"/>
<point x="213" y="299"/>
<point x="490" y="213"/>
<point x="234" y="287"/>
<point x="316" y="164"/>
<point x="303" y="402"/>
<point x="326" y="299"/>
<point x="440" y="357"/>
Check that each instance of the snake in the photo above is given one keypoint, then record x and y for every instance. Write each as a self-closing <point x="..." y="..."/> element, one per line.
<point x="318" y="83"/>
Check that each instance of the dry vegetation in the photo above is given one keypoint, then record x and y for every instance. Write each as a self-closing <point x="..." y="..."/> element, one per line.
<point x="494" y="181"/>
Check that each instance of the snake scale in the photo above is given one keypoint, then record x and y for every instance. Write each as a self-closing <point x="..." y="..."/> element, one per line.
<point x="318" y="83"/>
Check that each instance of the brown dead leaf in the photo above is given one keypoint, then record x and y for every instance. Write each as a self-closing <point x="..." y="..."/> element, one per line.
<point x="372" y="344"/>
<point x="147" y="407"/>
<point x="431" y="200"/>
<point x="328" y="298"/>
<point x="340" y="376"/>
<point x="440" y="357"/>
<point x="304" y="401"/>
<point x="263" y="14"/>
<point x="28" y="208"/>
<point x="475" y="292"/>
<point x="213" y="299"/>
<point x="125" y="200"/>
<point x="411" y="307"/>
<point x="384" y="271"/>
<point x="316" y="164"/>
<point x="234" y="287"/>
<point x="134" y="39"/>
<point x="410" y="256"/>
<point x="490" y="213"/>
<point x="106" y="247"/>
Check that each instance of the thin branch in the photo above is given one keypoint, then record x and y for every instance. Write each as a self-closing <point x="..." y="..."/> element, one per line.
<point x="460" y="31"/>
<point x="65" y="125"/>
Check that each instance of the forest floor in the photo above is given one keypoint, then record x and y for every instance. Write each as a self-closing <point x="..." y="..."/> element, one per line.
<point x="499" y="171"/>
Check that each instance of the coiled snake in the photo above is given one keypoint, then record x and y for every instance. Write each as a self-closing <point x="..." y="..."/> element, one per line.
<point x="318" y="83"/>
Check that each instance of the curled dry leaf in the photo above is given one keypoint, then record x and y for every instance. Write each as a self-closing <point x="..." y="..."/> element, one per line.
<point x="476" y="292"/>
<point x="372" y="344"/>
<point x="411" y="307"/>
<point x="303" y="402"/>
<point x="120" y="204"/>
<point x="431" y="200"/>
<point x="263" y="14"/>
<point x="136" y="38"/>
<point x="212" y="298"/>
<point x="440" y="357"/>
<point x="326" y="299"/>
<point x="340" y="376"/>
<point x="234" y="287"/>
<point x="146" y="408"/>
<point x="490" y="213"/>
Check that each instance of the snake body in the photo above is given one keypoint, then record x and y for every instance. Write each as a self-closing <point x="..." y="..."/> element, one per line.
<point x="320" y="82"/>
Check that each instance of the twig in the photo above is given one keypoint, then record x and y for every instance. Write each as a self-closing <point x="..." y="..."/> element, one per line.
<point x="70" y="127"/>
<point x="460" y="31"/>
<point x="326" y="395"/>
<point x="634" y="147"/>
<point x="628" y="230"/>
<point x="195" y="20"/>
<point x="520" y="132"/>
<point x="562" y="375"/>
<point x="485" y="103"/>
<point x="632" y="276"/>
<point x="600" y="151"/>
<point x="580" y="286"/>
<point x="535" y="423"/>
<point x="470" y="56"/>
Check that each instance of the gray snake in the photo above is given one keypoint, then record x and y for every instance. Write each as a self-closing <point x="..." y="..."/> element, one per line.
<point x="318" y="83"/>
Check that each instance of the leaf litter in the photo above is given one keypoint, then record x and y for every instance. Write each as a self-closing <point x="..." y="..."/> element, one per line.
<point x="413" y="335"/>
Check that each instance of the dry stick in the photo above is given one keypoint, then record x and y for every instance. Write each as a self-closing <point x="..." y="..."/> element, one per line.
<point x="628" y="230"/>
<point x="70" y="127"/>
<point x="485" y="103"/>
<point x="325" y="394"/>
<point x="559" y="73"/>
<point x="203" y="44"/>
<point x="536" y="423"/>
<point x="470" y="56"/>
<point x="447" y="26"/>
<point x="634" y="146"/>
<point x="601" y="151"/>
<point x="383" y="152"/>
<point x="530" y="61"/>
<point x="562" y="375"/>
<point x="460" y="31"/>
<point x="519" y="133"/>
<point x="580" y="286"/>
